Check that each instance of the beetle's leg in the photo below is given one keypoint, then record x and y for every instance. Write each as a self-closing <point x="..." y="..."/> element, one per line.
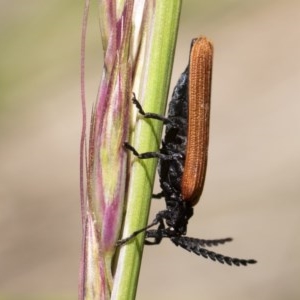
<point x="134" y="234"/>
<point x="161" y="232"/>
<point x="158" y="195"/>
<point x="157" y="234"/>
<point x="147" y="155"/>
<point x="153" y="233"/>
<point x="149" y="115"/>
<point x="194" y="245"/>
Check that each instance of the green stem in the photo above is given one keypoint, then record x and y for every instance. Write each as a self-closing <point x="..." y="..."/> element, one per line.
<point x="165" y="27"/>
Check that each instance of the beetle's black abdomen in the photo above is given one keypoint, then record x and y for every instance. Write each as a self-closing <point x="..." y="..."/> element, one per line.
<point x="170" y="171"/>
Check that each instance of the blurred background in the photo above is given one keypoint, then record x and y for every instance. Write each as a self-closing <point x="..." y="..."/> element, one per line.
<point x="252" y="187"/>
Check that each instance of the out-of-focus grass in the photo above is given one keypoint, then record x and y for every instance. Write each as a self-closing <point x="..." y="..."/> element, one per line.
<point x="39" y="48"/>
<point x="28" y="297"/>
<point x="34" y="45"/>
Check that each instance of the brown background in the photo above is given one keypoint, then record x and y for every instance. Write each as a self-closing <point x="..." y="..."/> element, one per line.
<point x="252" y="188"/>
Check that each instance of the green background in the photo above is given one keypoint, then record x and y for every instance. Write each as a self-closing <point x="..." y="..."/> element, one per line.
<point x="252" y="187"/>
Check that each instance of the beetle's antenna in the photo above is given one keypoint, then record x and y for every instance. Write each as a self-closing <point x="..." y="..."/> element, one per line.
<point x="211" y="243"/>
<point x="193" y="245"/>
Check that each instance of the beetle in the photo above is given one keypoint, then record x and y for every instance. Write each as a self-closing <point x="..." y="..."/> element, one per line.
<point x="182" y="159"/>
